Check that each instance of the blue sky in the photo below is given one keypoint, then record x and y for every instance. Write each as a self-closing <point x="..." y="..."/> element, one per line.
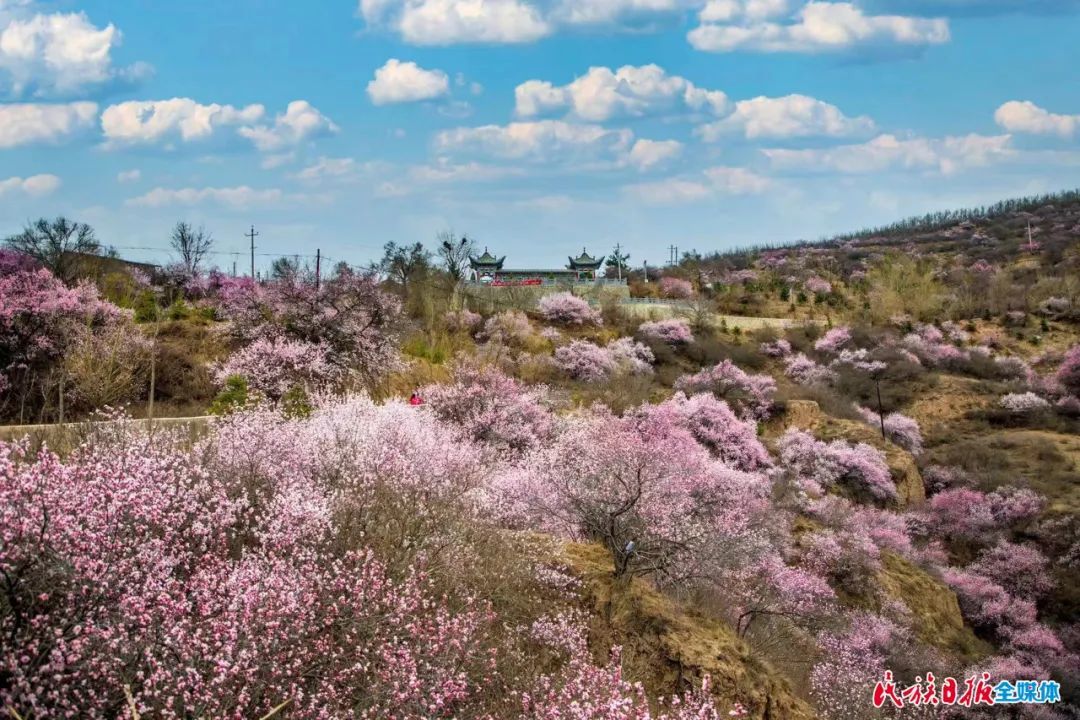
<point x="536" y="126"/>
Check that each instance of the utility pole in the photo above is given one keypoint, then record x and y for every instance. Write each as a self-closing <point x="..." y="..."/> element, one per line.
<point x="318" y="267"/>
<point x="252" y="235"/>
<point x="646" y="272"/>
<point x="618" y="259"/>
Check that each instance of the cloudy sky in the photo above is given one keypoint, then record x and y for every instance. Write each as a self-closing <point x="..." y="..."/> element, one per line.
<point x="536" y="126"/>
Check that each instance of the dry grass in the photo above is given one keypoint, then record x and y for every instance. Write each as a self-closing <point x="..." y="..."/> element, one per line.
<point x="667" y="648"/>
<point x="935" y="611"/>
<point x="1047" y="462"/>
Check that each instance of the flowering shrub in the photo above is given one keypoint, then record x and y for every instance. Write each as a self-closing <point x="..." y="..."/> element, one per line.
<point x="676" y="288"/>
<point x="463" y="320"/>
<point x="130" y="563"/>
<point x="712" y="423"/>
<point x="551" y="334"/>
<point x="12" y="262"/>
<point x="817" y="285"/>
<point x="584" y="690"/>
<point x="631" y="357"/>
<point x="348" y="315"/>
<point x="965" y="513"/>
<point x="986" y="603"/>
<point x="780" y="348"/>
<point x="492" y="408"/>
<point x="859" y="360"/>
<point x="751" y="396"/>
<point x="766" y="588"/>
<point x="273" y="366"/>
<point x="1069" y="405"/>
<point x="583" y="360"/>
<point x="1026" y="402"/>
<point x="565" y="308"/>
<point x="1069" y="372"/>
<point x="740" y="277"/>
<point x="833" y="340"/>
<point x="848" y="559"/>
<point x="954" y="332"/>
<point x="901" y="429"/>
<point x="1021" y="569"/>
<point x="928" y="343"/>
<point x="510" y="328"/>
<point x="41" y="321"/>
<point x="1014" y="368"/>
<point x="673" y="332"/>
<point x="805" y="371"/>
<point x="818" y="465"/>
<point x="851" y="661"/>
<point x="642" y="486"/>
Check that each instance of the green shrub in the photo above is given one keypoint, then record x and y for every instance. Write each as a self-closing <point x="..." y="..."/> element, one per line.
<point x="145" y="307"/>
<point x="234" y="397"/>
<point x="295" y="403"/>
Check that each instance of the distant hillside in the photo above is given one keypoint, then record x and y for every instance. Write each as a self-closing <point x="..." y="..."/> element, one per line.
<point x="995" y="232"/>
<point x="1050" y="205"/>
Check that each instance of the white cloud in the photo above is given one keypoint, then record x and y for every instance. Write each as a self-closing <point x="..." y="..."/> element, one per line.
<point x="61" y="53"/>
<point x="594" y="12"/>
<point x="298" y="123"/>
<point x="1027" y="117"/>
<point x="276" y="160"/>
<point x="539" y="140"/>
<point x="400" y="82"/>
<point x="785" y="117"/>
<point x="21" y="124"/>
<point x="646" y="154"/>
<point x="234" y="197"/>
<point x="723" y="11"/>
<point x="671" y="191"/>
<point x="885" y="152"/>
<point x="34" y="186"/>
<point x="816" y="27"/>
<point x="129" y="176"/>
<point x="151" y="121"/>
<point x="327" y="167"/>
<point x="602" y="94"/>
<point x="713" y="181"/>
<point x="443" y="171"/>
<point x="736" y="181"/>
<point x="447" y="22"/>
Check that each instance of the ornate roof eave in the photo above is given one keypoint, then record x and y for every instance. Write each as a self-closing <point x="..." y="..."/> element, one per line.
<point x="487" y="260"/>
<point x="583" y="264"/>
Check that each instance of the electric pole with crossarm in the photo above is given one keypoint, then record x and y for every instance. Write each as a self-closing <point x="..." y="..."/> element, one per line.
<point x="252" y="235"/>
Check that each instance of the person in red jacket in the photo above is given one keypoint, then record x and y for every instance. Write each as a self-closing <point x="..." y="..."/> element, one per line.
<point x="416" y="399"/>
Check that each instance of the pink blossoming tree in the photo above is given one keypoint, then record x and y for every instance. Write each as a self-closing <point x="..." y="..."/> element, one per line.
<point x="672" y="332"/>
<point x="751" y="396"/>
<point x="565" y="308"/>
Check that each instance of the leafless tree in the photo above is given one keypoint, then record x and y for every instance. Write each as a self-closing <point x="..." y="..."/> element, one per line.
<point x="57" y="244"/>
<point x="191" y="245"/>
<point x="454" y="253"/>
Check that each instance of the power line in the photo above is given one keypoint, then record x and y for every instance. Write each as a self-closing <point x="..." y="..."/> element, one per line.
<point x="212" y="252"/>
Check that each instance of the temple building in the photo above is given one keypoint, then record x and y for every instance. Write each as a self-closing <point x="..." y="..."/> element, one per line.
<point x="488" y="270"/>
